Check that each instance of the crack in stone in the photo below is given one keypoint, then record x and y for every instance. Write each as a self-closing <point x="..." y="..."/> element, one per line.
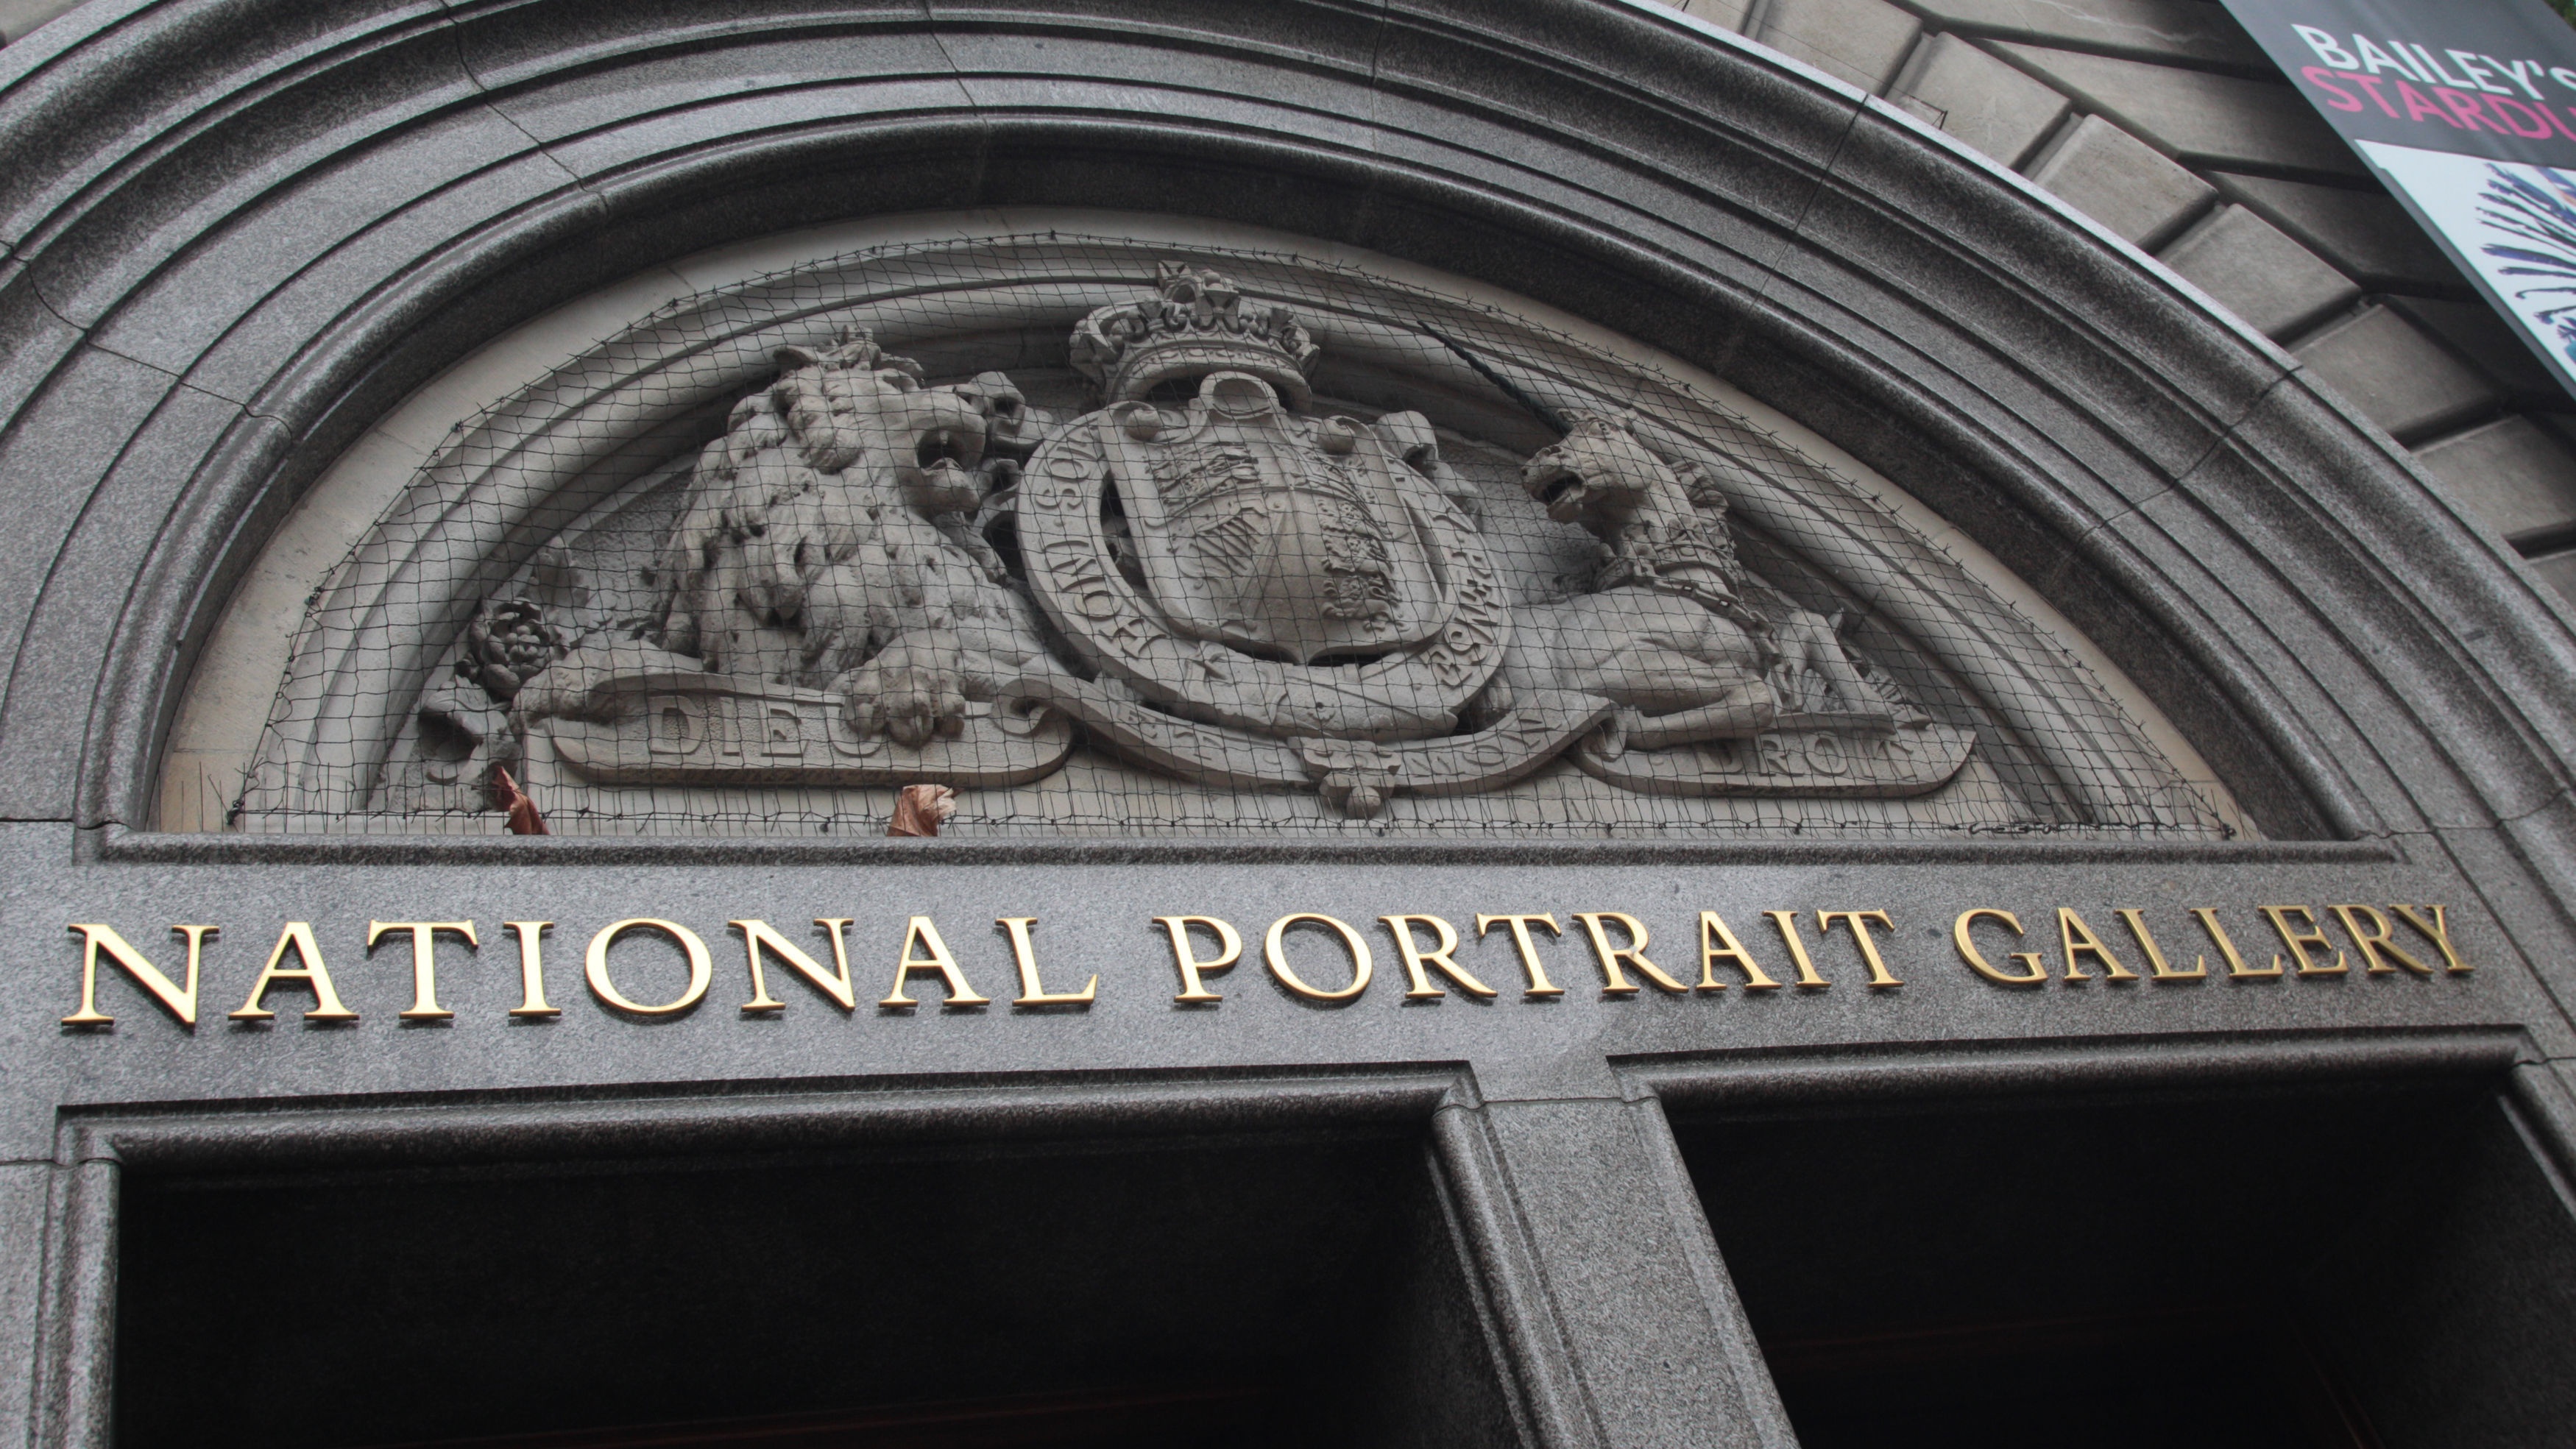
<point x="483" y="93"/>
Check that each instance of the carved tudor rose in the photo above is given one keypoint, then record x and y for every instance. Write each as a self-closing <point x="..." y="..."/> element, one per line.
<point x="1215" y="580"/>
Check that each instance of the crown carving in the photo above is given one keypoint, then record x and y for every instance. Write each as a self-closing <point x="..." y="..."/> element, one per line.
<point x="1196" y="324"/>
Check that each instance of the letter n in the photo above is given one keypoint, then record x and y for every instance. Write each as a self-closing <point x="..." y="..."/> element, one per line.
<point x="178" y="1001"/>
<point x="835" y="983"/>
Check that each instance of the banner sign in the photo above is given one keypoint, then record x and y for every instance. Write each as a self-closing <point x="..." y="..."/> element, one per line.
<point x="2468" y="113"/>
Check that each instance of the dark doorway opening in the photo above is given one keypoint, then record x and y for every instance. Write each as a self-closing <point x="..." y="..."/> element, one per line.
<point x="2344" y="1267"/>
<point x="1244" y="1291"/>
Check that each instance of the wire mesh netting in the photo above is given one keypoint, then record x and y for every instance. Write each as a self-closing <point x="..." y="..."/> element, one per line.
<point x="1112" y="538"/>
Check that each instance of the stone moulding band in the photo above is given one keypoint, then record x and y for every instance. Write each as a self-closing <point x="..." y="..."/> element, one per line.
<point x="856" y="1113"/>
<point x="1718" y="1082"/>
<point x="123" y="845"/>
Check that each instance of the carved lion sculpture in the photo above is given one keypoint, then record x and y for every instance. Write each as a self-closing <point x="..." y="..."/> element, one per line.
<point x="826" y="542"/>
<point x="1663" y="634"/>
<point x="1807" y="667"/>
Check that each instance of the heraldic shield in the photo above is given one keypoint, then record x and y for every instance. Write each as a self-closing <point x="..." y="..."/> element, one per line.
<point x="1282" y="536"/>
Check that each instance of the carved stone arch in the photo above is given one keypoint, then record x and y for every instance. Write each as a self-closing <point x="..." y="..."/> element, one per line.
<point x="209" y="292"/>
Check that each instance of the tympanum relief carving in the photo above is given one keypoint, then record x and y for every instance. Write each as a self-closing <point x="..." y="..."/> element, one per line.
<point x="1167" y="554"/>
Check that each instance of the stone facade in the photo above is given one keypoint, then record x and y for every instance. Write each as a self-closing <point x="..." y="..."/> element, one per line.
<point x="1319" y="1122"/>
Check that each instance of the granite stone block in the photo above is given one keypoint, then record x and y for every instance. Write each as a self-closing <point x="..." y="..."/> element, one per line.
<point x="96" y="96"/>
<point x="2397" y="376"/>
<point x="2459" y="630"/>
<point x="123" y="237"/>
<point x="528" y="194"/>
<point x="2196" y="116"/>
<point x="54" y="453"/>
<point x="1977" y="98"/>
<point x="2499" y="350"/>
<point x="34" y="340"/>
<point x="1628" y="1331"/>
<point x="2558" y="571"/>
<point x="17" y="17"/>
<point x="1858" y="41"/>
<point x="1722" y="196"/>
<point x="2364" y="233"/>
<point x="1726" y="14"/>
<point x="2321" y="640"/>
<point x="380" y="212"/>
<point x="2546" y="1093"/>
<point x="2511" y="474"/>
<point x="508" y="46"/>
<point x="1920" y="239"/>
<point x="2292" y="753"/>
<point x="2535" y="939"/>
<point x="2249" y="266"/>
<point x="54" y="679"/>
<point x="2156" y="30"/>
<point x="25" y="1200"/>
<point x="2121" y="182"/>
<point x="1680" y="71"/>
<point x="700" y="91"/>
<point x="1883" y="424"/>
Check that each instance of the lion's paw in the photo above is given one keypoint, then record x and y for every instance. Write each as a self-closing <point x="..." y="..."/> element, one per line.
<point x="912" y="691"/>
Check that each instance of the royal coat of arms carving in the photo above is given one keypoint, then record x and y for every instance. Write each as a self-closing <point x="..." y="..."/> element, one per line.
<point x="1208" y="575"/>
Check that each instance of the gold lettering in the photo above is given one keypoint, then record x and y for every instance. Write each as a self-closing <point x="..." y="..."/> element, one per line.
<point x="1024" y="954"/>
<point x="2300" y="941"/>
<point x="1615" y="982"/>
<point x="2376" y="947"/>
<point x="1787" y="922"/>
<point x="532" y="970"/>
<point x="756" y="936"/>
<point x="179" y="1002"/>
<point x="2077" y="939"/>
<point x="2158" y="969"/>
<point x="1716" y="942"/>
<point x="2236" y="967"/>
<point x="2438" y="931"/>
<point x="424" y="961"/>
<point x="1185" y="953"/>
<point x="1274" y="955"/>
<point x="2035" y="970"/>
<point x="326" y="1002"/>
<point x="1520" y="925"/>
<point x="1859" y="923"/>
<point x="701" y="969"/>
<point x="1444" y="956"/>
<point x="952" y="980"/>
